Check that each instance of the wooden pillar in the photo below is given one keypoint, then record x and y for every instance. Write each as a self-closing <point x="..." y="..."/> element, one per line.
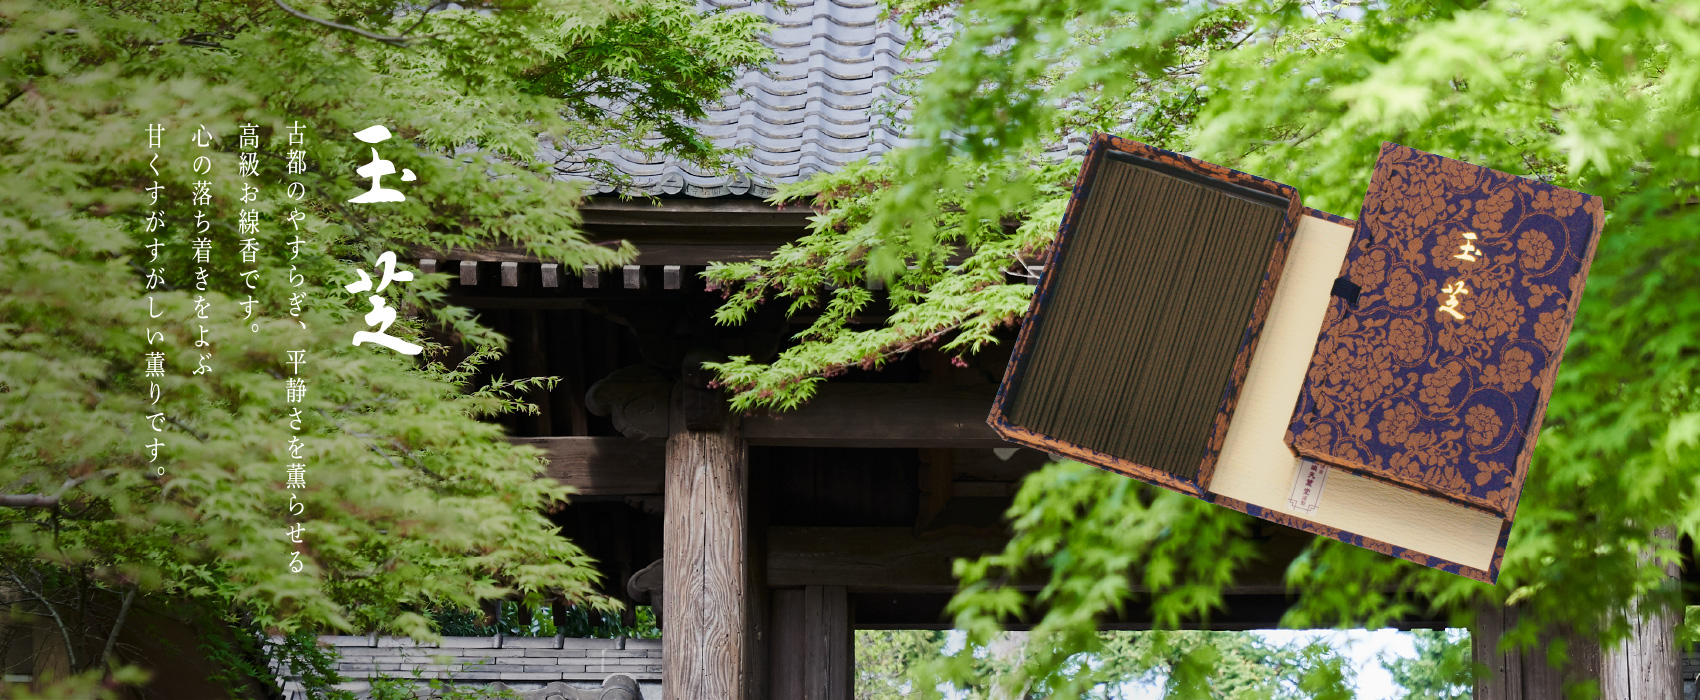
<point x="830" y="651"/>
<point x="1523" y="674"/>
<point x="533" y="348"/>
<point x="1504" y="679"/>
<point x="813" y="653"/>
<point x="1647" y="665"/>
<point x="757" y="636"/>
<point x="704" y="563"/>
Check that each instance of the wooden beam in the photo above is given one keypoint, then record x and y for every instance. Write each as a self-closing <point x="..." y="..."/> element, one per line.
<point x="875" y="415"/>
<point x="604" y="466"/>
<point x="893" y="559"/>
<point x="1239" y="611"/>
<point x="868" y="559"/>
<point x="523" y="303"/>
<point x="703" y="636"/>
<point x="687" y="253"/>
<point x="935" y="481"/>
<point x="882" y="415"/>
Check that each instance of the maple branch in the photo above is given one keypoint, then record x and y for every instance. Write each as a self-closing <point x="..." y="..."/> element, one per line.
<point x="391" y="40"/>
<point x="123" y="612"/>
<point x="38" y="500"/>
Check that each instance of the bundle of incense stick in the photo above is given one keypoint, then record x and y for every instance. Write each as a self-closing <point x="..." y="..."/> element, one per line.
<point x="1142" y="328"/>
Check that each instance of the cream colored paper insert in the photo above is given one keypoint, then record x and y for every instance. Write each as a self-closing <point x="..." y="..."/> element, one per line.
<point x="1256" y="466"/>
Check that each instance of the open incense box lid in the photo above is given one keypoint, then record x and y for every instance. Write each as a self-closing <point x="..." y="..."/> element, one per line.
<point x="1139" y="336"/>
<point x="1436" y="377"/>
<point x="1198" y="329"/>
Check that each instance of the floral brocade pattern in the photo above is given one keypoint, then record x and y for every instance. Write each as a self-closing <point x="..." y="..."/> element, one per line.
<point x="1447" y="400"/>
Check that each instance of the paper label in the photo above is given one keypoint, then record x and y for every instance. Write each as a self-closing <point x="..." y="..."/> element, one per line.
<point x="1307" y="486"/>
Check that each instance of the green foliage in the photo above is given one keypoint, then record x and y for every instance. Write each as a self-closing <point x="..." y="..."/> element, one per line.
<point x="435" y="688"/>
<point x="412" y="504"/>
<point x="580" y="622"/>
<point x="1089" y="528"/>
<point x="1184" y="664"/>
<point x="967" y="301"/>
<point x="576" y="621"/>
<point x="1598" y="98"/>
<point x="944" y="223"/>
<point x="313" y="666"/>
<point x="96" y="684"/>
<point x="1439" y="671"/>
<point x="1227" y="665"/>
<point x="885" y="658"/>
<point x="663" y="63"/>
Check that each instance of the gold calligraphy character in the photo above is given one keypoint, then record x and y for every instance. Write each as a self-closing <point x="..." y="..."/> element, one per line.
<point x="1469" y="249"/>
<point x="1452" y="291"/>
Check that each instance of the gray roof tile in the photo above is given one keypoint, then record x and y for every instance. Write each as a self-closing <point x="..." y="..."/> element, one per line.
<point x="811" y="109"/>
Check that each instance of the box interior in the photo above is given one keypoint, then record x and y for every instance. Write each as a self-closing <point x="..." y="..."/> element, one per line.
<point x="1154" y="286"/>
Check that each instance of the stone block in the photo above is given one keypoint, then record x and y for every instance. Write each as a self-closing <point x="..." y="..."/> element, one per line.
<point x="530" y="643"/>
<point x="523" y="676"/>
<point x="468" y="643"/>
<point x="404" y="642"/>
<point x="586" y="643"/>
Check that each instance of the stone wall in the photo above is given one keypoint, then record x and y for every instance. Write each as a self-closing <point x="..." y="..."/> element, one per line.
<point x="519" y="663"/>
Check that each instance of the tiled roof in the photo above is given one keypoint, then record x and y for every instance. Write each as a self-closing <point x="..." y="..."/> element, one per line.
<point x="815" y="107"/>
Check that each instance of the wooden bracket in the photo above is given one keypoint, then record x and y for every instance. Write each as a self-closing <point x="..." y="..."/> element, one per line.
<point x="636" y="397"/>
<point x="644" y="587"/>
<point x="704" y="407"/>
